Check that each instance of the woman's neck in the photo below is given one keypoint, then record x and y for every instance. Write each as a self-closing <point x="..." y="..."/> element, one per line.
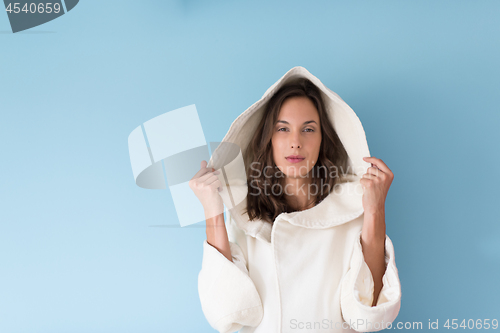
<point x="297" y="191"/>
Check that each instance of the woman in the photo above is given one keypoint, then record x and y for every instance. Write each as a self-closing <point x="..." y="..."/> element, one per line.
<point x="307" y="248"/>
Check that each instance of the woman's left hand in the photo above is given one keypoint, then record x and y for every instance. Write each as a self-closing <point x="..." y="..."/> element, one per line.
<point x="376" y="182"/>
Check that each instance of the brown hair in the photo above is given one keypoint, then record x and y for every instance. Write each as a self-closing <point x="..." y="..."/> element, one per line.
<point x="261" y="202"/>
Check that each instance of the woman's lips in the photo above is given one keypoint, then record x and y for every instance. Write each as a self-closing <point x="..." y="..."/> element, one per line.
<point x="294" y="160"/>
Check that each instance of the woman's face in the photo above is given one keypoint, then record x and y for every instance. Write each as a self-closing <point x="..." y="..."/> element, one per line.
<point x="297" y="132"/>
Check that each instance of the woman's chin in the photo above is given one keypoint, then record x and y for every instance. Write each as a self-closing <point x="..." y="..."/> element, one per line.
<point x="295" y="173"/>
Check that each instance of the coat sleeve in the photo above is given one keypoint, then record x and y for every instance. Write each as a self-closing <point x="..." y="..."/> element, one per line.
<point x="228" y="296"/>
<point x="357" y="288"/>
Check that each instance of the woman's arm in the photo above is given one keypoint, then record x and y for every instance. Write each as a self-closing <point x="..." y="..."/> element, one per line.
<point x="206" y="186"/>
<point x="373" y="245"/>
<point x="376" y="182"/>
<point x="217" y="234"/>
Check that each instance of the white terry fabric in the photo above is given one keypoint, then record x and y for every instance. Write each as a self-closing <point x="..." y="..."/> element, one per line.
<point x="306" y="272"/>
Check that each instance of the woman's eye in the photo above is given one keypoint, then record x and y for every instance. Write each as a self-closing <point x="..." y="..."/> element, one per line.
<point x="307" y="129"/>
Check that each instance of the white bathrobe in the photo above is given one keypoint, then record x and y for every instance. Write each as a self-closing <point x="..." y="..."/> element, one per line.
<point x="306" y="272"/>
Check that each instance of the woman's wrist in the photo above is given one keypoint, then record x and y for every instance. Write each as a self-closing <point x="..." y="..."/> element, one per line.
<point x="213" y="210"/>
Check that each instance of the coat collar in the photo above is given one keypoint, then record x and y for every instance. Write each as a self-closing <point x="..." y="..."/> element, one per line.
<point x="342" y="205"/>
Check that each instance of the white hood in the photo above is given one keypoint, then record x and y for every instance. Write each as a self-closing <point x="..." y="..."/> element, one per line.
<point x="340" y="206"/>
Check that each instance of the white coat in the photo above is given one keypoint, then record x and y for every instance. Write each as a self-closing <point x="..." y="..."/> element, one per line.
<point x="305" y="272"/>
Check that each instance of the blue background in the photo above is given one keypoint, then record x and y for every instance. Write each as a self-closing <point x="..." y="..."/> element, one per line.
<point x="78" y="248"/>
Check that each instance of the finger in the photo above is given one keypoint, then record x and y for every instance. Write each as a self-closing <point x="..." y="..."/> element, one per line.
<point x="373" y="171"/>
<point x="207" y="178"/>
<point x="213" y="178"/>
<point x="369" y="176"/>
<point x="364" y="182"/>
<point x="216" y="186"/>
<point x="378" y="163"/>
<point x="202" y="170"/>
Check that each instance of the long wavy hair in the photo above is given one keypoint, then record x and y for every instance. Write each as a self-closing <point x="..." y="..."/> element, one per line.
<point x="261" y="202"/>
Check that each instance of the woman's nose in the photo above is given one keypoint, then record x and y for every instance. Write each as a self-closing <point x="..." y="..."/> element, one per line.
<point x="295" y="141"/>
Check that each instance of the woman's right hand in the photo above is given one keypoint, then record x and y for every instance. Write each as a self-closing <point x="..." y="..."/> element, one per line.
<point x="206" y="186"/>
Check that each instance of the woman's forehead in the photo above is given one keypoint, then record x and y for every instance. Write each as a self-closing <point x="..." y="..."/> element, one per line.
<point x="298" y="116"/>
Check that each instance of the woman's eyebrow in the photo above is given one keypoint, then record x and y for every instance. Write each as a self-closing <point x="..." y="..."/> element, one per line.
<point x="305" y="122"/>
